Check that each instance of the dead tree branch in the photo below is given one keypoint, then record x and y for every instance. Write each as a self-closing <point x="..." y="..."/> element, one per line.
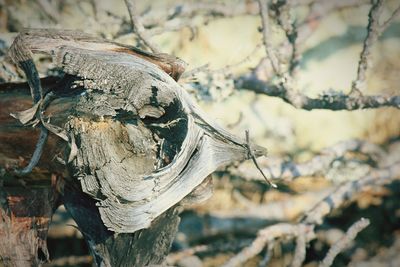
<point x="297" y="36"/>
<point x="267" y="235"/>
<point x="138" y="26"/>
<point x="300" y="252"/>
<point x="373" y="32"/>
<point x="267" y="37"/>
<point x="279" y="168"/>
<point x="346" y="191"/>
<point x="330" y="100"/>
<point x="253" y="158"/>
<point x="386" y="24"/>
<point x="315" y="217"/>
<point x="388" y="169"/>
<point x="344" y="242"/>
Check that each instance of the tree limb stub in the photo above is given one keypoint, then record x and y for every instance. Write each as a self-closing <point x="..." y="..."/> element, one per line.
<point x="139" y="144"/>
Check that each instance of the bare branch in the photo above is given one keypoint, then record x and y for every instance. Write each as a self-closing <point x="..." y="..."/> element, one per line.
<point x="181" y="16"/>
<point x="348" y="190"/>
<point x="300" y="252"/>
<point x="266" y="236"/>
<point x="318" y="165"/>
<point x="173" y="258"/>
<point x="344" y="242"/>
<point x="316" y="215"/>
<point x="138" y="26"/>
<point x="386" y="24"/>
<point x="374" y="30"/>
<point x="330" y="100"/>
<point x="267" y="36"/>
<point x="284" y="17"/>
<point x="253" y="158"/>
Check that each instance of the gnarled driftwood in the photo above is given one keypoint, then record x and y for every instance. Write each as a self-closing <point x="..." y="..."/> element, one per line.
<point x="137" y="143"/>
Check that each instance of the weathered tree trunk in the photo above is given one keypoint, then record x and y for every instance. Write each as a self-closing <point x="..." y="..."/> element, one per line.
<point x="142" y="248"/>
<point x="132" y="144"/>
<point x="27" y="203"/>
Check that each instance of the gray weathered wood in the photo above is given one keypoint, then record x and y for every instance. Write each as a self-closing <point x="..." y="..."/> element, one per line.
<point x="136" y="144"/>
<point x="129" y="107"/>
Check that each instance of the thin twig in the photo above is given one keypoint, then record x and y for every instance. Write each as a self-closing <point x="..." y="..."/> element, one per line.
<point x="386" y="24"/>
<point x="344" y="242"/>
<point x="373" y="32"/>
<point x="138" y="26"/>
<point x="267" y="36"/>
<point x="285" y="19"/>
<point x="253" y="158"/>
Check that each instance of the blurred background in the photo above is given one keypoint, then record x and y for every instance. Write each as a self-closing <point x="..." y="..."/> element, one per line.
<point x="220" y="46"/>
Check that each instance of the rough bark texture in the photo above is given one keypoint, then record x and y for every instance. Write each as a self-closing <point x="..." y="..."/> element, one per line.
<point x="25" y="215"/>
<point x="138" y="144"/>
<point x="135" y="143"/>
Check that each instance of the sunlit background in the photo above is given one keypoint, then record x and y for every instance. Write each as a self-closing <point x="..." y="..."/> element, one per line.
<point x="232" y="46"/>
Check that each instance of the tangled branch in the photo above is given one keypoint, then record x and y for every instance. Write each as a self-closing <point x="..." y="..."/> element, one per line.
<point x="279" y="168"/>
<point x="267" y="235"/>
<point x="388" y="169"/>
<point x="332" y="100"/>
<point x="344" y="242"/>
